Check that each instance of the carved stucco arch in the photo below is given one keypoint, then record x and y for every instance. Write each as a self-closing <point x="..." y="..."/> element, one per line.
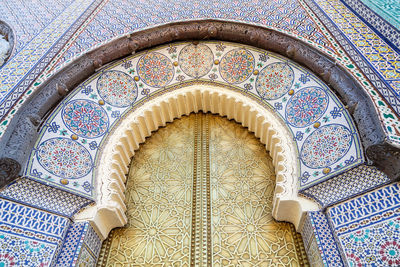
<point x="113" y="161"/>
<point x="22" y="131"/>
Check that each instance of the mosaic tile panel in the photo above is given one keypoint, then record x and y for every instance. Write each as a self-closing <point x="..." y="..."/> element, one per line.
<point x="28" y="18"/>
<point x="20" y="71"/>
<point x="365" y="207"/>
<point x="92" y="241"/>
<point x="368" y="227"/>
<point x="18" y="66"/>
<point x="325" y="135"/>
<point x="387" y="9"/>
<point x="385" y="101"/>
<point x="319" y="241"/>
<point x="81" y="246"/>
<point x="28" y="236"/>
<point x="344" y="186"/>
<point x="44" y="197"/>
<point x="72" y="244"/>
<point x="119" y="17"/>
<point x="376" y="22"/>
<point x="383" y="59"/>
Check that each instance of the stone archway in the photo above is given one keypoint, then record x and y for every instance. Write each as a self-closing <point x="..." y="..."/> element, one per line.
<point x="306" y="129"/>
<point x="116" y="153"/>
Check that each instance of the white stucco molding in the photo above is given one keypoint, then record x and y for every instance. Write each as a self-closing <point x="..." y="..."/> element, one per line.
<point x="131" y="131"/>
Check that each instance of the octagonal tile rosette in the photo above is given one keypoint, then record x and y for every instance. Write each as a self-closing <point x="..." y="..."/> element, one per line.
<point x="196" y="60"/>
<point x="306" y="106"/>
<point x="85" y="118"/>
<point x="274" y="80"/>
<point x="155" y="69"/>
<point x="117" y="88"/>
<point x="326" y="146"/>
<point x="64" y="158"/>
<point x="236" y="66"/>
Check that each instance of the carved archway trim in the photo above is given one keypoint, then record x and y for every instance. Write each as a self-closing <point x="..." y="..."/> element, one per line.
<point x="120" y="146"/>
<point x="21" y="133"/>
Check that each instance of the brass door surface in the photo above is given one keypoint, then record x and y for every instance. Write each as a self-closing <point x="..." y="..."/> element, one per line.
<point x="199" y="193"/>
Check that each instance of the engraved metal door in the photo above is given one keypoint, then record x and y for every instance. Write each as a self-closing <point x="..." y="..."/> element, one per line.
<point x="199" y="193"/>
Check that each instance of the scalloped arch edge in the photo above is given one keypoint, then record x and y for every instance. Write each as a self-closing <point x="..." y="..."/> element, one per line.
<point x="132" y="130"/>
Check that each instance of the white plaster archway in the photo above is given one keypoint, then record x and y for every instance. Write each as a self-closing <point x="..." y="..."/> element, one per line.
<point x="125" y="138"/>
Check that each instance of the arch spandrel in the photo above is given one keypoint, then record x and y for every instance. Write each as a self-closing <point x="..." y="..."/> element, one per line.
<point x="308" y="132"/>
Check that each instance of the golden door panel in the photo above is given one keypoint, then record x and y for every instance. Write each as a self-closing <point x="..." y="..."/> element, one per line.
<point x="199" y="193"/>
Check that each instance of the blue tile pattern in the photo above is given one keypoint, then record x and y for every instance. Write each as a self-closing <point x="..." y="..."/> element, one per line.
<point x="376" y="203"/>
<point x="17" y="74"/>
<point x="29" y="18"/>
<point x="315" y="116"/>
<point x="319" y="241"/>
<point x="28" y="236"/>
<point x="124" y="16"/>
<point x="389" y="98"/>
<point x="387" y="9"/>
<point x="344" y="186"/>
<point x="72" y="244"/>
<point x="93" y="241"/>
<point x="41" y="196"/>
<point x="390" y="33"/>
<point x="368" y="227"/>
<point x="375" y="51"/>
<point x="82" y="246"/>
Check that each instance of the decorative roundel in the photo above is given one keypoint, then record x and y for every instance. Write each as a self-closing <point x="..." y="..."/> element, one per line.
<point x="390" y="253"/>
<point x="236" y="66"/>
<point x="85" y="118"/>
<point x="306" y="106"/>
<point x="64" y="158"/>
<point x="274" y="80"/>
<point x="155" y="69"/>
<point x="117" y="88"/>
<point x="196" y="60"/>
<point x="353" y="260"/>
<point x="326" y="146"/>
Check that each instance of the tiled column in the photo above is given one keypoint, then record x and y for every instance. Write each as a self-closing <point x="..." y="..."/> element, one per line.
<point x="81" y="246"/>
<point x="29" y="236"/>
<point x="319" y="242"/>
<point x="367" y="227"/>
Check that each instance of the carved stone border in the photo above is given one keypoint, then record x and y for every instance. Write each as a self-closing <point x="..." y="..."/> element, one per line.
<point x="21" y="134"/>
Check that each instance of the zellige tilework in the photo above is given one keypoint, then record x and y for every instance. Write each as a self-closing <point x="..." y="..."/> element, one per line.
<point x="41" y="196"/>
<point x="82" y="246"/>
<point x="379" y="54"/>
<point x="387" y="9"/>
<point x="346" y="185"/>
<point x="28" y="236"/>
<point x="319" y="241"/>
<point x="316" y="118"/>
<point x="368" y="227"/>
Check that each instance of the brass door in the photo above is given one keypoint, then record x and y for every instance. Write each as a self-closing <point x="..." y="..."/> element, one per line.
<point x="199" y="193"/>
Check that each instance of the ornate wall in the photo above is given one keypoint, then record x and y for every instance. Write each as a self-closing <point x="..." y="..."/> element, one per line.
<point x="60" y="108"/>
